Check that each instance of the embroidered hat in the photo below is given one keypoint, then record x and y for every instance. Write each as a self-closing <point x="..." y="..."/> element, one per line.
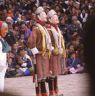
<point x="39" y="10"/>
<point x="51" y="13"/>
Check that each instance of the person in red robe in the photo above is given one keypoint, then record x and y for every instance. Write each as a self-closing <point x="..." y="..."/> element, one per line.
<point x="40" y="44"/>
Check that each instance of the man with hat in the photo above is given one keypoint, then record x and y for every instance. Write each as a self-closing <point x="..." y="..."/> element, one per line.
<point x="58" y="52"/>
<point x="4" y="48"/>
<point x="40" y="44"/>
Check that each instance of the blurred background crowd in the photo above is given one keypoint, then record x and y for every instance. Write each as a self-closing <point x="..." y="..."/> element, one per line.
<point x="20" y="17"/>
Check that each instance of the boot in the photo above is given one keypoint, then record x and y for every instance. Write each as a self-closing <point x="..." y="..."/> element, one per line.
<point x="43" y="89"/>
<point x="56" y="86"/>
<point x="51" y="87"/>
<point x="38" y="89"/>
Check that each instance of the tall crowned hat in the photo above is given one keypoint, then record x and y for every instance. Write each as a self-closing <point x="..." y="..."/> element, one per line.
<point x="39" y="10"/>
<point x="51" y="13"/>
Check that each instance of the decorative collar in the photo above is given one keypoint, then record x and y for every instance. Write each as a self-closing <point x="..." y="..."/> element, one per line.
<point x="40" y="22"/>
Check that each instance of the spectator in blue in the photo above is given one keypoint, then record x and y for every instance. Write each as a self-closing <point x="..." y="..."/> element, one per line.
<point x="25" y="31"/>
<point x="74" y="64"/>
<point x="25" y="66"/>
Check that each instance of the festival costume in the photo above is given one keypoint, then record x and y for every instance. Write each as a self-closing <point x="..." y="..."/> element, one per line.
<point x="39" y="39"/>
<point x="57" y="55"/>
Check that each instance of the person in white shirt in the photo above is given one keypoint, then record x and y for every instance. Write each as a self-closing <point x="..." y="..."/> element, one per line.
<point x="4" y="48"/>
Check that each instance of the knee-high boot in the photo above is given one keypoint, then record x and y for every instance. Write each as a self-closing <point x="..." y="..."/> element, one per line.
<point x="51" y="86"/>
<point x="56" y="85"/>
<point x="38" y="89"/>
<point x="43" y="89"/>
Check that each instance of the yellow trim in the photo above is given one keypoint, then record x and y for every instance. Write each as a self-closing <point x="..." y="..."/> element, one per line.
<point x="63" y="45"/>
<point x="43" y="39"/>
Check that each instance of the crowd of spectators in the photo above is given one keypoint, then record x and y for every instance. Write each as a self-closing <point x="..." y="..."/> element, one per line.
<point x="20" y="14"/>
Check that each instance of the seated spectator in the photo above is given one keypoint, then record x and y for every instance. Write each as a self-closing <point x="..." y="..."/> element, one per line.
<point x="70" y="50"/>
<point x="24" y="67"/>
<point x="83" y="16"/>
<point x="10" y="38"/>
<point x="74" y="64"/>
<point x="10" y="13"/>
<point x="25" y="32"/>
<point x="11" y="71"/>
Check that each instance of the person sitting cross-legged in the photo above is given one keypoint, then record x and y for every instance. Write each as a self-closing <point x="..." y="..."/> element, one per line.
<point x="74" y="64"/>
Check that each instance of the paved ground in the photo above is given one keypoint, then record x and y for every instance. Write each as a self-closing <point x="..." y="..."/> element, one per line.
<point x="69" y="85"/>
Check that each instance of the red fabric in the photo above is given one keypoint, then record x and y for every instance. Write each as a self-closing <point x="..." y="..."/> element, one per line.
<point x="40" y="22"/>
<point x="1" y="24"/>
<point x="44" y="94"/>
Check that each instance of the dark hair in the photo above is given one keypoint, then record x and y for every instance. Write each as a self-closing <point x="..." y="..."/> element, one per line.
<point x="20" y="49"/>
<point x="73" y="52"/>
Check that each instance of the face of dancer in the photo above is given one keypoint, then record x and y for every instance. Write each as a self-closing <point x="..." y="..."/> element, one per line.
<point x="43" y="16"/>
<point x="4" y="31"/>
<point x="54" y="19"/>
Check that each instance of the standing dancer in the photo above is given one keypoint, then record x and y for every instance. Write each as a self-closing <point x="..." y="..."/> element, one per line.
<point x="40" y="44"/>
<point x="58" y="53"/>
<point x="4" y="48"/>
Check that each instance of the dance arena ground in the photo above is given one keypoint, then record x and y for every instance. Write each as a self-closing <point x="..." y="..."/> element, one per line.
<point x="69" y="85"/>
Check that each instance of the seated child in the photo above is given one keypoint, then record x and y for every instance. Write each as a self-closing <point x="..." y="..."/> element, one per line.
<point x="74" y="64"/>
<point x="25" y="66"/>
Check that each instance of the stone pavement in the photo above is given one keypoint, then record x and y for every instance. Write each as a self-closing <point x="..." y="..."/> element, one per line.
<point x="69" y="85"/>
